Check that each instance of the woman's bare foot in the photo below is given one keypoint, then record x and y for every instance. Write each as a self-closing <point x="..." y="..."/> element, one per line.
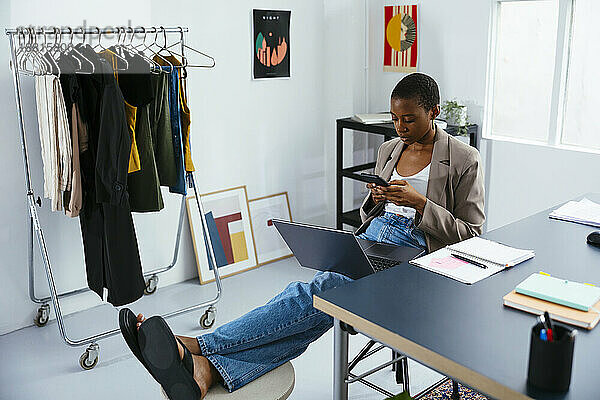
<point x="205" y="374"/>
<point x="191" y="343"/>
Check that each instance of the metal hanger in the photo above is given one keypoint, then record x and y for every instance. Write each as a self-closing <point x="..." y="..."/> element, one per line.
<point x="165" y="48"/>
<point x="32" y="55"/>
<point x="99" y="45"/>
<point x="20" y="53"/>
<point x="149" y="48"/>
<point x="51" y="61"/>
<point x="184" y="58"/>
<point x="83" y="44"/>
<point x="154" y="66"/>
<point x="140" y="48"/>
<point x="72" y="51"/>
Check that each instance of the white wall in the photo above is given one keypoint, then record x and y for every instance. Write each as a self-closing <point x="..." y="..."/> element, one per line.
<point x="520" y="179"/>
<point x="271" y="136"/>
<point x="295" y="151"/>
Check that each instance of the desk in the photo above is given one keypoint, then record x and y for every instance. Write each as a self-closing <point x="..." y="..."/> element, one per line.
<point x="464" y="331"/>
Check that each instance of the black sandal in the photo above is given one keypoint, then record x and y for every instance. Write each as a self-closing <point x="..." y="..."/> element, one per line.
<point x="128" y="325"/>
<point x="161" y="355"/>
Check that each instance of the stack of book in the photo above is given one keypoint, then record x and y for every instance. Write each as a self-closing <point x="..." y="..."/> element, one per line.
<point x="583" y="211"/>
<point x="569" y="302"/>
<point x="379" y="118"/>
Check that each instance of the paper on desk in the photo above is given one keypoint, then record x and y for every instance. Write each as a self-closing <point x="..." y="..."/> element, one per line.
<point x="441" y="262"/>
<point x="584" y="212"/>
<point x="448" y="263"/>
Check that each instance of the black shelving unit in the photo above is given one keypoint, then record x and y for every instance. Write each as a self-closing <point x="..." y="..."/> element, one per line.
<point x="388" y="132"/>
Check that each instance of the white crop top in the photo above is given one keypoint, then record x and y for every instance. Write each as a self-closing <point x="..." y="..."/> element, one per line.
<point x="418" y="181"/>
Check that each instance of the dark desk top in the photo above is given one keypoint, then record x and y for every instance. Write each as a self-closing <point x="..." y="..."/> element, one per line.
<point x="468" y="324"/>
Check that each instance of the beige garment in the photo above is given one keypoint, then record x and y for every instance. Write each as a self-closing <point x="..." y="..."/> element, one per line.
<point x="49" y="161"/>
<point x="455" y="192"/>
<point x="63" y="136"/>
<point x="74" y="197"/>
<point x="55" y="138"/>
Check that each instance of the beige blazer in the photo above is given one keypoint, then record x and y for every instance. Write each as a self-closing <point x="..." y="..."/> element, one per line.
<point x="455" y="192"/>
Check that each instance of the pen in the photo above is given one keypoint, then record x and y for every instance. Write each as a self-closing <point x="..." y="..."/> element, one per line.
<point x="549" y="326"/>
<point x="469" y="261"/>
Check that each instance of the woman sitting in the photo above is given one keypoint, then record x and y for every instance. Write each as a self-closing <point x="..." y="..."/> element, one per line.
<point x="435" y="198"/>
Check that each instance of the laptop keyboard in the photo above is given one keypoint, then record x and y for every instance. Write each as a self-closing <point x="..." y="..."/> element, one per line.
<point x="379" y="264"/>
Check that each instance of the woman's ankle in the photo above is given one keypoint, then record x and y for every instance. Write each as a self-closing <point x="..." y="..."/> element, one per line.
<point x="191" y="344"/>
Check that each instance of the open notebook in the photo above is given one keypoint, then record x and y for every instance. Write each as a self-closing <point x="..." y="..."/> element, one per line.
<point x="494" y="256"/>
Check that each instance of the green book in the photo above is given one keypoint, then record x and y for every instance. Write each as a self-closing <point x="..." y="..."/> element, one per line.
<point x="580" y="296"/>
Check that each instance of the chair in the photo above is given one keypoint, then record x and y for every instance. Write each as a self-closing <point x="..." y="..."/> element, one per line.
<point x="399" y="365"/>
<point x="274" y="385"/>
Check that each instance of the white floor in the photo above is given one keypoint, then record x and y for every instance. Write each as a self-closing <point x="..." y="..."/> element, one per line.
<point x="37" y="364"/>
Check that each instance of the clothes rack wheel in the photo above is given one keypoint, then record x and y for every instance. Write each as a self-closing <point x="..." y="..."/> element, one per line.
<point x="89" y="358"/>
<point x="151" y="285"/>
<point x="43" y="316"/>
<point x="207" y="320"/>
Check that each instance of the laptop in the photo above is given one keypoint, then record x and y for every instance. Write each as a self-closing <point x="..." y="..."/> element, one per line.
<point x="326" y="249"/>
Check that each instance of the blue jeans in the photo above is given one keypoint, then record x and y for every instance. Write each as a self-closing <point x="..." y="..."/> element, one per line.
<point x="270" y="335"/>
<point x="395" y="229"/>
<point x="174" y="106"/>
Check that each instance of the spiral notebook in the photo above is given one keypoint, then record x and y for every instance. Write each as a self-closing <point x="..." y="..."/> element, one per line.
<point x="490" y="253"/>
<point x="493" y="255"/>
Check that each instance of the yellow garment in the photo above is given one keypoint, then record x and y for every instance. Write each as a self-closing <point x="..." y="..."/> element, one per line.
<point x="185" y="113"/>
<point x="134" y="155"/>
<point x="185" y="117"/>
<point x="130" y="115"/>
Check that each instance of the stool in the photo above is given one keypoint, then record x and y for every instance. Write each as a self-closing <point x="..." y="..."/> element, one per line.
<point x="274" y="385"/>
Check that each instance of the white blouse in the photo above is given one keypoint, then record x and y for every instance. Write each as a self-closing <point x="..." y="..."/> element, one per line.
<point x="418" y="181"/>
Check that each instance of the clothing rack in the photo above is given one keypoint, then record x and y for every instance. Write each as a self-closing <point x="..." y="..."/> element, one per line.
<point x="89" y="358"/>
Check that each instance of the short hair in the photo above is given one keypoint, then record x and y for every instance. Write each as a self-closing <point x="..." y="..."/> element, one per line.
<point x="419" y="87"/>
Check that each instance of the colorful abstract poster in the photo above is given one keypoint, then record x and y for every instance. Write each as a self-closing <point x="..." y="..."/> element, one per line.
<point x="230" y="230"/>
<point x="269" y="244"/>
<point x="400" y="34"/>
<point x="271" y="44"/>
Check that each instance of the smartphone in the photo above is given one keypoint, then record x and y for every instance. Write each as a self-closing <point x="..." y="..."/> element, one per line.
<point x="371" y="178"/>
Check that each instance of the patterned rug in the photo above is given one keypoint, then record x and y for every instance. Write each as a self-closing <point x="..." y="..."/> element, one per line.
<point x="444" y="392"/>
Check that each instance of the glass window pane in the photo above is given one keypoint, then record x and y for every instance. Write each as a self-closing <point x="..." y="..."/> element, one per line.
<point x="524" y="73"/>
<point x="583" y="86"/>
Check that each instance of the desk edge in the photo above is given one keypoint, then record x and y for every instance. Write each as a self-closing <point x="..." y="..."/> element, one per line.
<point x="419" y="353"/>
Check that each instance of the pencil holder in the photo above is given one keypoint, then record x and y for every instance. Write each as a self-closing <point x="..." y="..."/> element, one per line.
<point x="550" y="362"/>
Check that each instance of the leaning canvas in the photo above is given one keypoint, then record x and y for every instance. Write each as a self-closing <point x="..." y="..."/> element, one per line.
<point x="230" y="230"/>
<point x="269" y="244"/>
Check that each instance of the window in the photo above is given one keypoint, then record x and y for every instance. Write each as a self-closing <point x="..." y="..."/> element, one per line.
<point x="583" y="85"/>
<point x="542" y="88"/>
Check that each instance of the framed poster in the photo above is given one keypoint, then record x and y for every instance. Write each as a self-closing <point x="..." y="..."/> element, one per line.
<point x="271" y="44"/>
<point x="269" y="244"/>
<point x="230" y="228"/>
<point x="400" y="46"/>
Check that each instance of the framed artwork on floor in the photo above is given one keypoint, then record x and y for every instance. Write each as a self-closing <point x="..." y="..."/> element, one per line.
<point x="269" y="244"/>
<point x="230" y="228"/>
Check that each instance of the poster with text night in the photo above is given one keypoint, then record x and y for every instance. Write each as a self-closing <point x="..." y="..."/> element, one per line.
<point x="271" y="44"/>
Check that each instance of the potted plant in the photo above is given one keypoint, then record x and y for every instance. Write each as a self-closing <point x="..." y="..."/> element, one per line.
<point x="456" y="114"/>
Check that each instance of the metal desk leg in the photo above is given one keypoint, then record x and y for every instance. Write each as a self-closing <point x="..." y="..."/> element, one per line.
<point x="340" y="361"/>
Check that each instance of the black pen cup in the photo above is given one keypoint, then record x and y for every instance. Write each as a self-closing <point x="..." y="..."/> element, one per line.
<point x="550" y="363"/>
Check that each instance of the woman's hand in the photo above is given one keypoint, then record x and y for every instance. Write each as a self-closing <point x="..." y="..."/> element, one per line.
<point x="376" y="193"/>
<point x="401" y="193"/>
